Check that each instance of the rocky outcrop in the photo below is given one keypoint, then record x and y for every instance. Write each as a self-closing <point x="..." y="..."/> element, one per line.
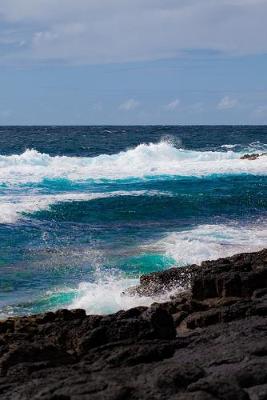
<point x="207" y="342"/>
<point x="252" y="156"/>
<point x="238" y="276"/>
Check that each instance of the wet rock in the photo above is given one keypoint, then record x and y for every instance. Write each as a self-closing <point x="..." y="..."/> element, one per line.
<point x="163" y="281"/>
<point x="207" y="342"/>
<point x="253" y="156"/>
<point x="218" y="278"/>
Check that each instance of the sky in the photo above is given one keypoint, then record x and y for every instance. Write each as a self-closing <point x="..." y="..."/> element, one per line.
<point x="119" y="62"/>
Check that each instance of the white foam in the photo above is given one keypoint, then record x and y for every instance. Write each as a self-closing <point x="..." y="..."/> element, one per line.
<point x="12" y="207"/>
<point x="209" y="242"/>
<point x="144" y="160"/>
<point x="106" y="296"/>
<point x="229" y="146"/>
<point x="205" y="242"/>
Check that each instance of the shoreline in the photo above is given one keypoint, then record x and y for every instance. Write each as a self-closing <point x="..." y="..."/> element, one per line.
<point x="207" y="342"/>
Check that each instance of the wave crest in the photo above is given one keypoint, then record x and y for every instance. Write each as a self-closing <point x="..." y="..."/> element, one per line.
<point x="204" y="242"/>
<point x="143" y="161"/>
<point x="209" y="242"/>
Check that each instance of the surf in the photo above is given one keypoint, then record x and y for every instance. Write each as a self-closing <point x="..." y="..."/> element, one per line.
<point x="143" y="161"/>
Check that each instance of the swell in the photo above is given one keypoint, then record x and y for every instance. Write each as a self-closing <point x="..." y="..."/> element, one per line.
<point x="173" y="200"/>
<point x="16" y="206"/>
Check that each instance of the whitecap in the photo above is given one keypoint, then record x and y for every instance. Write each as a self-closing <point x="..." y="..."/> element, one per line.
<point x="143" y="161"/>
<point x="209" y="242"/>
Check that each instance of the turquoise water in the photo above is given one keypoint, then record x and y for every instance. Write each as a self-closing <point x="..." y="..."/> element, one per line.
<point x="84" y="211"/>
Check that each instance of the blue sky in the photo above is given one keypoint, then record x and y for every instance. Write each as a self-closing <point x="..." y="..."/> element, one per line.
<point x="133" y="62"/>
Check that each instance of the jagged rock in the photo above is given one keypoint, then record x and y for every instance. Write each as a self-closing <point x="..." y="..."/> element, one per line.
<point x="253" y="156"/>
<point x="206" y="343"/>
<point x="219" y="278"/>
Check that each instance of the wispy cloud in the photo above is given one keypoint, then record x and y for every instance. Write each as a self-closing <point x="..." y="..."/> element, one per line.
<point x="227" y="102"/>
<point x="89" y="32"/>
<point x="129" y="105"/>
<point x="173" y="105"/>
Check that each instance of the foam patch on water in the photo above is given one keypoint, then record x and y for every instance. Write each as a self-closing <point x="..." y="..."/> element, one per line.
<point x="254" y="147"/>
<point x="143" y="161"/>
<point x="14" y="207"/>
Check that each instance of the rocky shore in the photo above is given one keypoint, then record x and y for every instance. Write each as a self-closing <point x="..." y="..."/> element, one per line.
<point x="208" y="342"/>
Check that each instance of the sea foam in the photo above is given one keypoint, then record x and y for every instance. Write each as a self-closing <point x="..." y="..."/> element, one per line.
<point x="192" y="246"/>
<point x="144" y="160"/>
<point x="210" y="241"/>
<point x="104" y="294"/>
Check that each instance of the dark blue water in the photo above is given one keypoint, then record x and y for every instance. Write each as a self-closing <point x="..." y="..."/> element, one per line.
<point x="85" y="210"/>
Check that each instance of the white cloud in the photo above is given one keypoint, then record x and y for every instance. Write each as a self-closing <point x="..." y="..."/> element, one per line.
<point x="104" y="31"/>
<point x="173" y="105"/>
<point x="129" y="105"/>
<point x="226" y="103"/>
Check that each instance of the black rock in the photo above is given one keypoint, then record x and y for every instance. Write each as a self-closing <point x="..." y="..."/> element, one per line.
<point x="208" y="342"/>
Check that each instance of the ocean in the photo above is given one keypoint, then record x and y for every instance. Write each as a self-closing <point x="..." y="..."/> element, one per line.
<point x="84" y="210"/>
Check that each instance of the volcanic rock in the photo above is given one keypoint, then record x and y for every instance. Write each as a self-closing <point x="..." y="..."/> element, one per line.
<point x="208" y="342"/>
<point x="253" y="156"/>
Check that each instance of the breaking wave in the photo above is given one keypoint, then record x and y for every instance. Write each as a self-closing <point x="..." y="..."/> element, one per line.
<point x="104" y="294"/>
<point x="205" y="242"/>
<point x="209" y="242"/>
<point x="145" y="160"/>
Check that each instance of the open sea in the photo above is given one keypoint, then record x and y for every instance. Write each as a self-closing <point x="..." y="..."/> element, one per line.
<point x="84" y="211"/>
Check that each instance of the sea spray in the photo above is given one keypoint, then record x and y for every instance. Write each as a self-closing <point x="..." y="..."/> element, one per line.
<point x="143" y="161"/>
<point x="80" y="223"/>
